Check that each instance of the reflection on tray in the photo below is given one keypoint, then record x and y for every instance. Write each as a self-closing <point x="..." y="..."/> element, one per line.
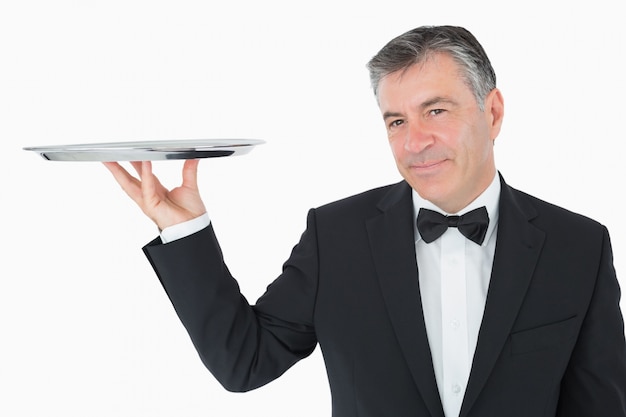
<point x="147" y="150"/>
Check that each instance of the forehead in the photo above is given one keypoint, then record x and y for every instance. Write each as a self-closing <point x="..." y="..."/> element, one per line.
<point x="438" y="74"/>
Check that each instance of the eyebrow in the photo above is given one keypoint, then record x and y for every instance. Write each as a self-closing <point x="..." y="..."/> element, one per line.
<point x="389" y="114"/>
<point x="428" y="103"/>
<point x="437" y="100"/>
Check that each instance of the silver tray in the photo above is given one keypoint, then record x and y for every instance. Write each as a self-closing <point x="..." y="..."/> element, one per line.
<point x="147" y="150"/>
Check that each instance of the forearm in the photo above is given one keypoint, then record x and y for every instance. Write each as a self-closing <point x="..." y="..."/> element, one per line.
<point x="242" y="347"/>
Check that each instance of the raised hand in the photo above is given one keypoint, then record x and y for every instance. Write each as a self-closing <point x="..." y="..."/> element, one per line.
<point x="165" y="207"/>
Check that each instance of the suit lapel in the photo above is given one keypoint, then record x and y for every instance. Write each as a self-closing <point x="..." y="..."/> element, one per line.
<point x="392" y="243"/>
<point x="517" y="250"/>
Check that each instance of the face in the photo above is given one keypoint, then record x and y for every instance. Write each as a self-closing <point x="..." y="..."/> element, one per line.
<point x="442" y="142"/>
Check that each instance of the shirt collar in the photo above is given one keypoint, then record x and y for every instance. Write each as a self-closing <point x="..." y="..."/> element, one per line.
<point x="489" y="198"/>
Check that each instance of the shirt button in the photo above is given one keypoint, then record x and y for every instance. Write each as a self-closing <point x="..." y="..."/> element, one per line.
<point x="455" y="324"/>
<point x="456" y="389"/>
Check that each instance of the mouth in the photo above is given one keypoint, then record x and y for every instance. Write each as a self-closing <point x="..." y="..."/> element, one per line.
<point x="428" y="165"/>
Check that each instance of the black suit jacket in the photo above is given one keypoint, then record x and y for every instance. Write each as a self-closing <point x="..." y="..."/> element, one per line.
<point x="551" y="341"/>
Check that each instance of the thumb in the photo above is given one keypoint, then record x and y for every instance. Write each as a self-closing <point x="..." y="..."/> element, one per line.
<point x="190" y="173"/>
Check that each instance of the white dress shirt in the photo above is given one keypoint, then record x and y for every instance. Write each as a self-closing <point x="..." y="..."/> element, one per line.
<point x="180" y="230"/>
<point x="454" y="275"/>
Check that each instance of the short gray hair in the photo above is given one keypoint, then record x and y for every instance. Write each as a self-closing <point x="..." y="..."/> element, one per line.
<point x="417" y="45"/>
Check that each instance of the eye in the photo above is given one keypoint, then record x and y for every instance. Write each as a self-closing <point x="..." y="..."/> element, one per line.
<point x="435" y="112"/>
<point x="396" y="123"/>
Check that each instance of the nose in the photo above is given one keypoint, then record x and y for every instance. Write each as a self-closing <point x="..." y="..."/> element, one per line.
<point x="418" y="137"/>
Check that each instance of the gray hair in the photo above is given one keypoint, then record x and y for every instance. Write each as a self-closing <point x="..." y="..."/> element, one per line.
<point x="417" y="45"/>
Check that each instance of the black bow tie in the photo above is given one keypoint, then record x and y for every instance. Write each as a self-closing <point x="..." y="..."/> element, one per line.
<point x="473" y="224"/>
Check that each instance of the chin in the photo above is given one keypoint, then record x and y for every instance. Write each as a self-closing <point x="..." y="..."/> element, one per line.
<point x="427" y="191"/>
<point x="430" y="190"/>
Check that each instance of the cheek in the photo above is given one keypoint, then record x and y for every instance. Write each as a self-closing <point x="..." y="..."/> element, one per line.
<point x="482" y="149"/>
<point x="476" y="158"/>
<point x="470" y="142"/>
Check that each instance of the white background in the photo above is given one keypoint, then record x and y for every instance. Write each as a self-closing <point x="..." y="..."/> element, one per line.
<point x="85" y="328"/>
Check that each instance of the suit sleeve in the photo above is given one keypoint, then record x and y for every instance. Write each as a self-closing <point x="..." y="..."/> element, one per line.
<point x="595" y="381"/>
<point x="243" y="346"/>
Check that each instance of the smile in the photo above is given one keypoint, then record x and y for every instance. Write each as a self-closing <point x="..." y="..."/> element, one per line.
<point x="428" y="165"/>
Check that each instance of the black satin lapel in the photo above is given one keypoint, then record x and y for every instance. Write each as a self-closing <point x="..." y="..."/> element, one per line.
<point x="517" y="250"/>
<point x="393" y="249"/>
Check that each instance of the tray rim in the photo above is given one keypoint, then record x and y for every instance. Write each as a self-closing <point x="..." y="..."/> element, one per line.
<point x="146" y="150"/>
<point x="148" y="145"/>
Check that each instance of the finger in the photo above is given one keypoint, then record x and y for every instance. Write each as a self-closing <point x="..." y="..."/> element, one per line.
<point x="137" y="166"/>
<point x="190" y="173"/>
<point x="128" y="183"/>
<point x="111" y="166"/>
<point x="153" y="192"/>
<point x="148" y="181"/>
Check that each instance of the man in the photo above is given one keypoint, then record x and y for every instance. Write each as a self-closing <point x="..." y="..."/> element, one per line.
<point x="510" y="307"/>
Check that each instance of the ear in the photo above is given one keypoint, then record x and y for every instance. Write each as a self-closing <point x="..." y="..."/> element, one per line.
<point x="494" y="111"/>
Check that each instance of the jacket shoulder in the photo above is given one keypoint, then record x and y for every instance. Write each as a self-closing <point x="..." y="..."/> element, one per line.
<point x="367" y="202"/>
<point x="550" y="215"/>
